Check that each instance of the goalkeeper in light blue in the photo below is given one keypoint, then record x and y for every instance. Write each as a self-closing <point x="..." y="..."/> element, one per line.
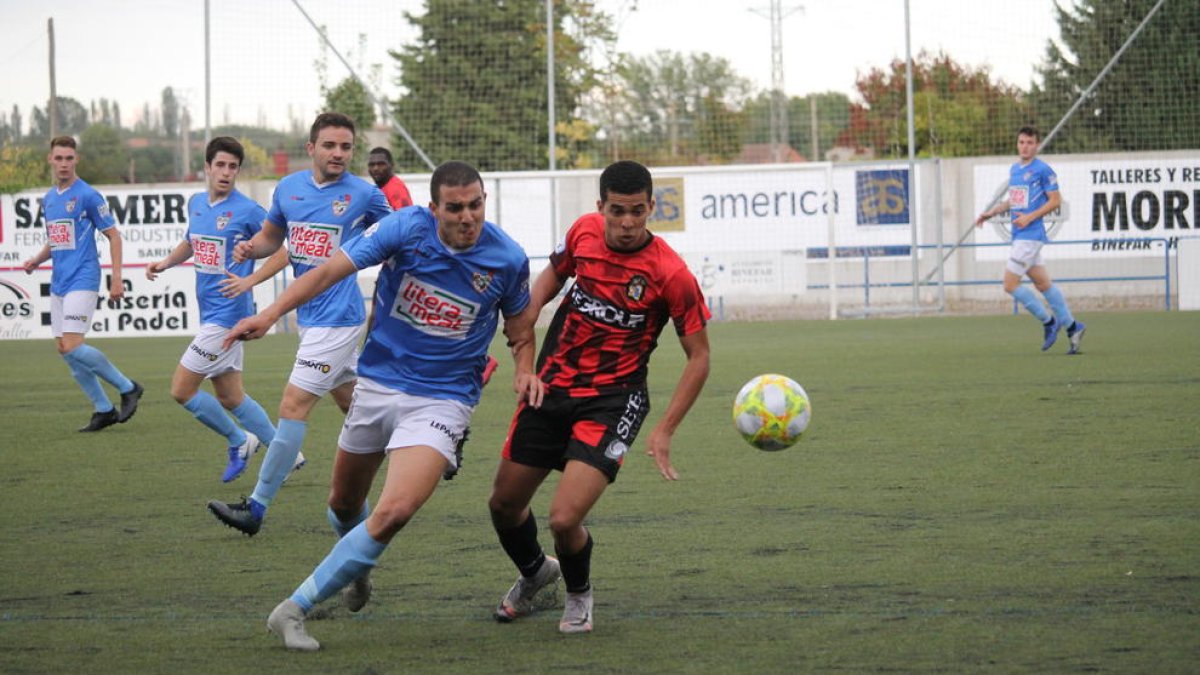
<point x="1032" y="194"/>
<point x="218" y="219"/>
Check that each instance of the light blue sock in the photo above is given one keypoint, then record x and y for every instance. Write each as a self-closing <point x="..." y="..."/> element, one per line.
<point x="341" y="528"/>
<point x="352" y="556"/>
<point x="96" y="360"/>
<point x="253" y="417"/>
<point x="1029" y="300"/>
<point x="281" y="455"/>
<point x="204" y="407"/>
<point x="1059" y="304"/>
<point x="88" y="382"/>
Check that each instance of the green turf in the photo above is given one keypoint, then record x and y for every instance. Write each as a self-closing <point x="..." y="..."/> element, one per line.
<point x="961" y="502"/>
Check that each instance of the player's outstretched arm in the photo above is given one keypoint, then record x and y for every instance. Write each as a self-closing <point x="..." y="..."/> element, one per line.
<point x="116" y="287"/>
<point x="308" y="286"/>
<point x="264" y="243"/>
<point x="691" y="381"/>
<point x="1000" y="207"/>
<point x="233" y="285"/>
<point x="179" y="254"/>
<point x="38" y="258"/>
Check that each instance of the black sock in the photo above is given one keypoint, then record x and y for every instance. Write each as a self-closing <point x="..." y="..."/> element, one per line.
<point x="577" y="567"/>
<point x="521" y="545"/>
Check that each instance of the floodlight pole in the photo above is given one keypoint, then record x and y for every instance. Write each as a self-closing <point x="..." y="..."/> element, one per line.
<point x="52" y="113"/>
<point x="912" y="162"/>
<point x="550" y="140"/>
<point x="207" y="79"/>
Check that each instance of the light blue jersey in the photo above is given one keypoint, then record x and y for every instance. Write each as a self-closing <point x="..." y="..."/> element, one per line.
<point x="213" y="231"/>
<point x="436" y="310"/>
<point x="318" y="221"/>
<point x="73" y="217"/>
<point x="1027" y="188"/>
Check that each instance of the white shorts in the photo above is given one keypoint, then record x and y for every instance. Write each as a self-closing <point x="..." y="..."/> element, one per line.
<point x="72" y="313"/>
<point x="205" y="356"/>
<point x="1024" y="254"/>
<point x="326" y="358"/>
<point x="382" y="419"/>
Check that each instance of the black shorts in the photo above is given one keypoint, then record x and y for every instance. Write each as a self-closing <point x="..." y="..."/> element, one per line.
<point x="596" y="430"/>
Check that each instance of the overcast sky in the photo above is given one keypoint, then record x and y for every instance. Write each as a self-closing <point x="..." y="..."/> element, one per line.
<point x="263" y="51"/>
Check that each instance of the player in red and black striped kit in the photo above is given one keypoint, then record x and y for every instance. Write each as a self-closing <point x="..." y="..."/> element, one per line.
<point x="583" y="419"/>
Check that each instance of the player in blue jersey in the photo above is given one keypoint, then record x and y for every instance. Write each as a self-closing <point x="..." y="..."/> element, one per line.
<point x="74" y="212"/>
<point x="1033" y="193"/>
<point x="217" y="220"/>
<point x="446" y="275"/>
<point x="318" y="211"/>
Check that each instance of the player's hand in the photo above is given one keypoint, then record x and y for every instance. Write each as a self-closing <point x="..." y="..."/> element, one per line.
<point x="30" y="265"/>
<point x="250" y="328"/>
<point x="981" y="220"/>
<point x="529" y="389"/>
<point x="1022" y="221"/>
<point x="116" y="289"/>
<point x="153" y="269"/>
<point x="659" y="447"/>
<point x="233" y="285"/>
<point x="243" y="251"/>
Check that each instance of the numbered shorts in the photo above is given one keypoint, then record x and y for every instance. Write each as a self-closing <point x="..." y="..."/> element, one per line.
<point x="205" y="355"/>
<point x="326" y="358"/>
<point x="1024" y="254"/>
<point x="381" y="419"/>
<point x="595" y="430"/>
<point x="72" y="313"/>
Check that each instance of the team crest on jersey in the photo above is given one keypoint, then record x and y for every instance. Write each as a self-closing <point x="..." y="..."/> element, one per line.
<point x="339" y="205"/>
<point x="223" y="220"/>
<point x="71" y="205"/>
<point x="636" y="288"/>
<point x="481" y="280"/>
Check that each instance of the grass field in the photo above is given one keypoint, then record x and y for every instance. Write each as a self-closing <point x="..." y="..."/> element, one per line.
<point x="961" y="502"/>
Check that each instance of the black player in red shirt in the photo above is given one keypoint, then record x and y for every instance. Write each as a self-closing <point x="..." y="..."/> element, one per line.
<point x="628" y="285"/>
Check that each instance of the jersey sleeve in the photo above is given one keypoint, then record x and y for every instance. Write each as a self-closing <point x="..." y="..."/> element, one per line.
<point x="516" y="297"/>
<point x="97" y="211"/>
<point x="377" y="208"/>
<point x="562" y="259"/>
<point x="275" y="215"/>
<point x="1049" y="179"/>
<point x="187" y="232"/>
<point x="377" y="243"/>
<point x="254" y="219"/>
<point x="685" y="303"/>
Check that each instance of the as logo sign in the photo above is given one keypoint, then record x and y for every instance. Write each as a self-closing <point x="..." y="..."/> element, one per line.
<point x="433" y="310"/>
<point x="882" y="197"/>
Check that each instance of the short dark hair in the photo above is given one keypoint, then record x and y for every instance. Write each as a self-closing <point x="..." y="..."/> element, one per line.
<point x="382" y="151"/>
<point x="453" y="174"/>
<point x="1029" y="130"/>
<point x="330" y="119"/>
<point x="626" y="177"/>
<point x="64" y="141"/>
<point x="224" y="144"/>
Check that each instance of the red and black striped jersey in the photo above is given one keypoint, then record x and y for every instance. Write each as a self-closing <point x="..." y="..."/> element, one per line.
<point x="608" y="324"/>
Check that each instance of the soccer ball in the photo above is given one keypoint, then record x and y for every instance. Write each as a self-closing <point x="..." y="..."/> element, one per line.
<point x="771" y="412"/>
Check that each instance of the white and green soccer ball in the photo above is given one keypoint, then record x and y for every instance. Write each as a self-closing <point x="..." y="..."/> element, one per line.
<point x="771" y="412"/>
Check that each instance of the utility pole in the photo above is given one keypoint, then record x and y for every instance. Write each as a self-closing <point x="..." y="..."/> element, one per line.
<point x="52" y="109"/>
<point x="779" y="115"/>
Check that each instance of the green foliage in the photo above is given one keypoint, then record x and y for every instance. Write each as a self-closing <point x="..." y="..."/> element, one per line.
<point x="72" y="119"/>
<point x="153" y="163"/>
<point x="170" y="113"/>
<point x="678" y="109"/>
<point x="833" y="118"/>
<point x="474" y="82"/>
<point x="103" y="158"/>
<point x="350" y="98"/>
<point x="1147" y="101"/>
<point x="962" y="502"/>
<point x="22" y="166"/>
<point x="958" y="110"/>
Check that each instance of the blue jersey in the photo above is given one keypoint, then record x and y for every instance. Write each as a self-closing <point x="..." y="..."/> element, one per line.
<point x="318" y="221"/>
<point x="213" y="230"/>
<point x="436" y="309"/>
<point x="72" y="218"/>
<point x="1027" y="188"/>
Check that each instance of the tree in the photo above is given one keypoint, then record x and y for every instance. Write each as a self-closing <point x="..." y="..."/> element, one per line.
<point x="170" y="113"/>
<point x="72" y="119"/>
<point x="103" y="159"/>
<point x="677" y="108"/>
<point x="1147" y="101"/>
<point x="22" y="167"/>
<point x="833" y="117"/>
<point x="474" y="82"/>
<point x="350" y="98"/>
<point x="15" y="120"/>
<point x="957" y="110"/>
